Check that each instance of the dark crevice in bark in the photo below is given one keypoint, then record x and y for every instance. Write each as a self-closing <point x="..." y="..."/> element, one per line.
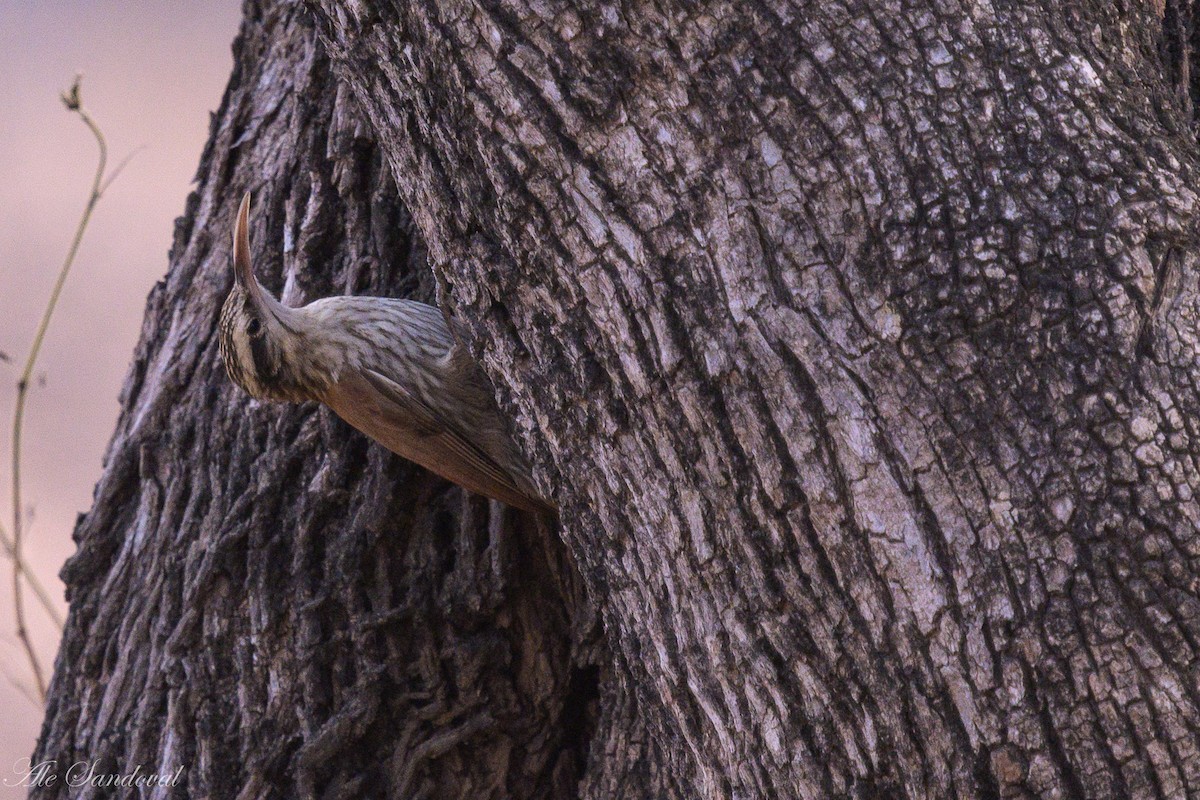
<point x="1050" y="732"/>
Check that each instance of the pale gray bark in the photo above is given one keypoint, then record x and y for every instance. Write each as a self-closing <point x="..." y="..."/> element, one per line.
<point x="856" y="342"/>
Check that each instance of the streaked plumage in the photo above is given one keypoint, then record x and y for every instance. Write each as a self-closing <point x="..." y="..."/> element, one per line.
<point x="391" y="368"/>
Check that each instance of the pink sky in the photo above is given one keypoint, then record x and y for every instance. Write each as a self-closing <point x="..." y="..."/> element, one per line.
<point x="152" y="73"/>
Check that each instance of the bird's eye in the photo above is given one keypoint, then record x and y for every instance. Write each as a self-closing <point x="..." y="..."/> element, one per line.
<point x="253" y="327"/>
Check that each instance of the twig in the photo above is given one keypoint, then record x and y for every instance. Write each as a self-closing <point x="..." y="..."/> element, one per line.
<point x="71" y="99"/>
<point x="32" y="579"/>
<point x="112" y="176"/>
<point x="21" y="686"/>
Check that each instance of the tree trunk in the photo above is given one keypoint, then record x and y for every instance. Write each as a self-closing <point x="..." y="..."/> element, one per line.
<point x="263" y="597"/>
<point x="857" y="343"/>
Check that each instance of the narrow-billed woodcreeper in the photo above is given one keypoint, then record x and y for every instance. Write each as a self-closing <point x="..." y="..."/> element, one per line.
<point x="391" y="368"/>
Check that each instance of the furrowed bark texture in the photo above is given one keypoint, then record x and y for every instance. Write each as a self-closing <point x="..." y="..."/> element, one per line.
<point x="856" y="341"/>
<point x="261" y="596"/>
<point x="858" y="344"/>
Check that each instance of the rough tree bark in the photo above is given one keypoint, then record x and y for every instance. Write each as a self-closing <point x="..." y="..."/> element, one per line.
<point x="856" y="341"/>
<point x="260" y="595"/>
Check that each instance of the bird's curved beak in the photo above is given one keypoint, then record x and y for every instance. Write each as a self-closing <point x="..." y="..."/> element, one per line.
<point x="243" y="271"/>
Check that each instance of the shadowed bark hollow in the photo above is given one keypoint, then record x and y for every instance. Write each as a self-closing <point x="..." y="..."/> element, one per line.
<point x="857" y="343"/>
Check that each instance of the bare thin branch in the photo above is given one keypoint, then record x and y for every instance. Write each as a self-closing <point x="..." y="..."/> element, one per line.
<point x="124" y="162"/>
<point x="31" y="578"/>
<point x="21" y="686"/>
<point x="73" y="101"/>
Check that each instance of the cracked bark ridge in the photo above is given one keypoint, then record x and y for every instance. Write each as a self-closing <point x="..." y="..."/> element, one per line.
<point x="859" y="343"/>
<point x="261" y="596"/>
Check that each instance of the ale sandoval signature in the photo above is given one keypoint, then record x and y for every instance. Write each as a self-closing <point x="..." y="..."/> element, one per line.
<point x="86" y="773"/>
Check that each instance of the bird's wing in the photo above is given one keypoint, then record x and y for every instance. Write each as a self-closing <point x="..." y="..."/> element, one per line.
<point x="402" y="422"/>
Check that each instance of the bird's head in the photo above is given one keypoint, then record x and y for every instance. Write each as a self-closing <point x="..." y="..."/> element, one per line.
<point x="256" y="330"/>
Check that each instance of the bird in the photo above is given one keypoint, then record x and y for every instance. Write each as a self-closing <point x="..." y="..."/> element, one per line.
<point x="392" y="368"/>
